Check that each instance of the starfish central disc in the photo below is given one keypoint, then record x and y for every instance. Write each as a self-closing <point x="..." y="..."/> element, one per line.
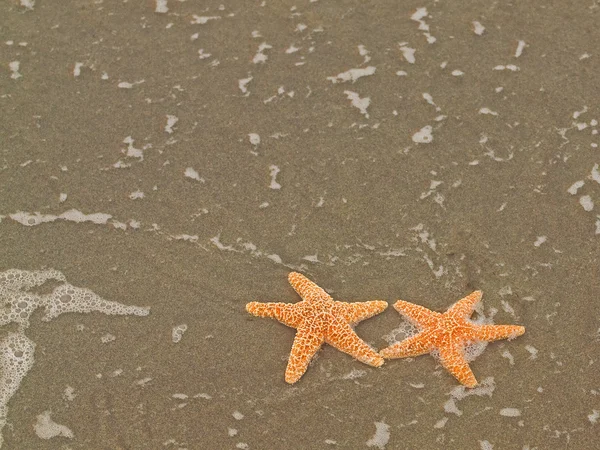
<point x="320" y="319"/>
<point x="448" y="334"/>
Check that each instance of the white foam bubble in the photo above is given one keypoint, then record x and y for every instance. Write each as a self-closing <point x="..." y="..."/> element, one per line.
<point x="423" y="136"/>
<point x="586" y="202"/>
<point x="533" y="352"/>
<point x="143" y="381"/>
<point x="203" y="20"/>
<point x="29" y="219"/>
<point x="254" y="138"/>
<point x="381" y="436"/>
<point x="161" y="7"/>
<point x="510" y="412"/>
<point x="171" y="121"/>
<point x="520" y="47"/>
<point x="352" y="75"/>
<point x="74" y="215"/>
<point x="180" y="396"/>
<point x="77" y="69"/>
<point x="131" y="151"/>
<point x="354" y="374"/>
<point x="508" y="355"/>
<point x="69" y="394"/>
<point x="361" y="103"/>
<point x="260" y="56"/>
<point x="16" y="359"/>
<point x="108" y="338"/>
<point x="478" y="28"/>
<point x="474" y="349"/>
<point x="16" y="349"/>
<point x="407" y="52"/>
<point x="29" y="4"/>
<point x="486" y="445"/>
<point x="405" y="330"/>
<point x="46" y="428"/>
<point x="177" y="332"/>
<point x="418" y="16"/>
<point x="190" y="172"/>
<point x="14" y="68"/>
<point x="441" y="423"/>
<point x="20" y="304"/>
<point x="362" y="51"/>
<point x="275" y="257"/>
<point x="203" y="395"/>
<point x="68" y="298"/>
<point x="243" y="85"/>
<point x="136" y="195"/>
<point x="274" y="170"/>
<point x="486" y="387"/>
<point x="595" y="174"/>
<point x="487" y="111"/>
<point x="186" y="237"/>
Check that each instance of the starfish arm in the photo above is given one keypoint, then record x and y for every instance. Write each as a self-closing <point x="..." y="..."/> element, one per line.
<point x="342" y="336"/>
<point x="497" y="332"/>
<point x="453" y="359"/>
<point x="416" y="314"/>
<point x="413" y="346"/>
<point x="306" y="288"/>
<point x="464" y="307"/>
<point x="356" y="312"/>
<point x="283" y="312"/>
<point x="306" y="344"/>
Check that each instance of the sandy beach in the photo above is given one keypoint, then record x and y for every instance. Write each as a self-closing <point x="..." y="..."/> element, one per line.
<point x="186" y="156"/>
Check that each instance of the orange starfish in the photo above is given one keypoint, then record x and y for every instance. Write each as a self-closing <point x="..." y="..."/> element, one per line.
<point x="318" y="318"/>
<point x="448" y="333"/>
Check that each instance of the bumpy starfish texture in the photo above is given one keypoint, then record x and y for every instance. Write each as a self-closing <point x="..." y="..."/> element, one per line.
<point x="448" y="334"/>
<point x="318" y="319"/>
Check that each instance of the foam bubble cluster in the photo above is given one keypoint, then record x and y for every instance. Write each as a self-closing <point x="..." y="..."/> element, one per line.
<point x="15" y="279"/>
<point x="178" y="331"/>
<point x="18" y="302"/>
<point x="474" y="349"/>
<point x="405" y="330"/>
<point x="68" y="298"/>
<point x="16" y="359"/>
<point x="46" y="428"/>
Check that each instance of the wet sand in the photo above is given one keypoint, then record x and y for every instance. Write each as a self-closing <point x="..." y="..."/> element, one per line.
<point x="295" y="171"/>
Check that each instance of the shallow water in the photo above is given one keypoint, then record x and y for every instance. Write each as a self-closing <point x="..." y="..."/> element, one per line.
<point x="221" y="145"/>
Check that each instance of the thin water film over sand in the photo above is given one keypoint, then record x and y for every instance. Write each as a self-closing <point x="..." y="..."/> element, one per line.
<point x="186" y="157"/>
